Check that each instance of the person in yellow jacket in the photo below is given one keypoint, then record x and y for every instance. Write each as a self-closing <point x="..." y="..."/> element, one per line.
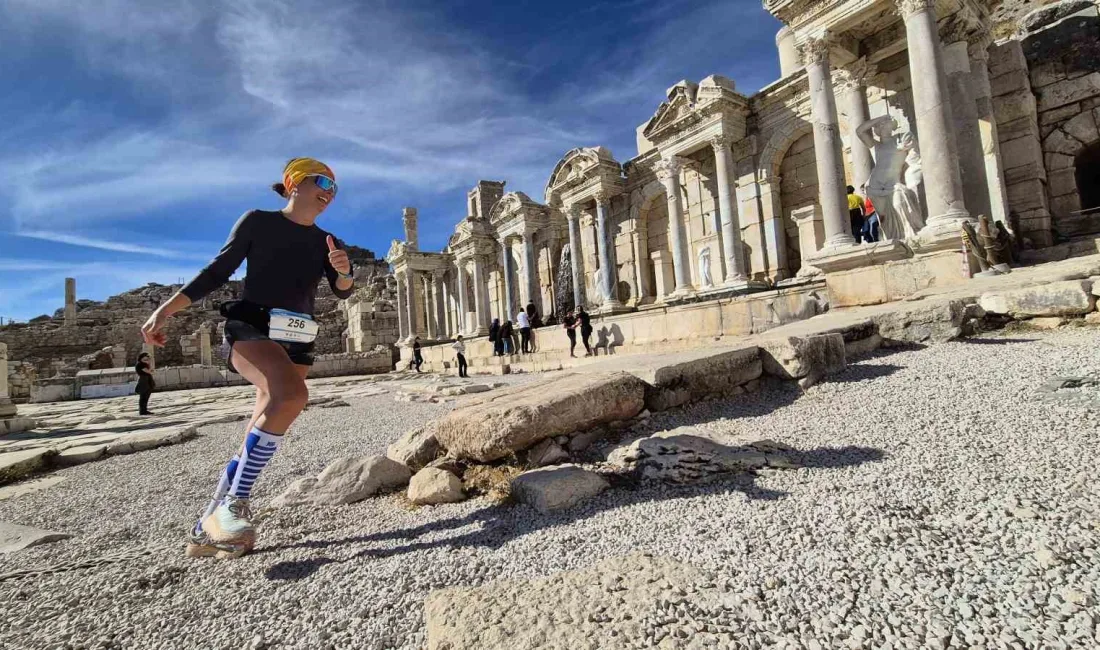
<point x="855" y="213"/>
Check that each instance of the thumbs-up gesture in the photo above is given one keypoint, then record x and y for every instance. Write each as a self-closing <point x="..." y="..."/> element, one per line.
<point x="338" y="258"/>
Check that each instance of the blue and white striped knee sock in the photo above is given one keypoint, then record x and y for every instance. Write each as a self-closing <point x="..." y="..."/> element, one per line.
<point x="259" y="447"/>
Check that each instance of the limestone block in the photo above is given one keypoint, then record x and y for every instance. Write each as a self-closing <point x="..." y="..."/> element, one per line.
<point x="515" y="418"/>
<point x="1063" y="181"/>
<point x="548" y="452"/>
<point x="79" y="455"/>
<point x="795" y="357"/>
<point x="14" y="537"/>
<point x="1068" y="91"/>
<point x="1059" y="142"/>
<point x="1014" y="106"/>
<point x="1065" y="204"/>
<point x="415" y="448"/>
<point x="692" y="376"/>
<point x="688" y="454"/>
<point x="1082" y="128"/>
<point x="1021" y="151"/>
<point x="432" y="486"/>
<point x="17" y="464"/>
<point x="1043" y="73"/>
<point x="1056" y="161"/>
<point x="557" y="488"/>
<point x="1010" y="82"/>
<point x="346" y="480"/>
<point x="926" y="321"/>
<point x="1067" y="298"/>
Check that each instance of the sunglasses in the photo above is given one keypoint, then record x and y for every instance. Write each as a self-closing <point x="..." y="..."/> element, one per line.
<point x="324" y="182"/>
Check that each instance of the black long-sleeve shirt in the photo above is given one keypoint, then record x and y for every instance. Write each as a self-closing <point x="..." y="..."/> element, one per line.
<point x="286" y="260"/>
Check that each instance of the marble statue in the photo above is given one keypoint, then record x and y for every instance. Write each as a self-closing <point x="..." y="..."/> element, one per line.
<point x="602" y="285"/>
<point x="705" y="278"/>
<point x="894" y="185"/>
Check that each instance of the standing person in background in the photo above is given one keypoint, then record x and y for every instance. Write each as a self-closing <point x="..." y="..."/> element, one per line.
<point x="418" y="359"/>
<point x="585" y="322"/>
<point x="270" y="332"/>
<point x="145" y="385"/>
<point x="855" y="213"/>
<point x="870" y="219"/>
<point x="569" y="323"/>
<point x="535" y="321"/>
<point x="506" y="339"/>
<point x="524" y="331"/>
<point x="495" y="338"/>
<point x="460" y="353"/>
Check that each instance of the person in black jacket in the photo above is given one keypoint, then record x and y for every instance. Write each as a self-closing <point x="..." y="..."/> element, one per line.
<point x="495" y="338"/>
<point x="145" y="383"/>
<point x="418" y="358"/>
<point x="586" y="330"/>
<point x="506" y="334"/>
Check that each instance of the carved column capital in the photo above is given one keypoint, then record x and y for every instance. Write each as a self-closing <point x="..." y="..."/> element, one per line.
<point x="720" y="142"/>
<point x="669" y="167"/>
<point x="855" y="76"/>
<point x="601" y="197"/>
<point x="815" y="48"/>
<point x="910" y="8"/>
<point x="956" y="29"/>
<point x="979" y="45"/>
<point x="572" y="211"/>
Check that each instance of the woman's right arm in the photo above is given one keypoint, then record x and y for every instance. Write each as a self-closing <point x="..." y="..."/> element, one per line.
<point x="216" y="273"/>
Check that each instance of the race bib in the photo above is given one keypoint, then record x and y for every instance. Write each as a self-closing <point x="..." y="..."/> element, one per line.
<point x="291" y="327"/>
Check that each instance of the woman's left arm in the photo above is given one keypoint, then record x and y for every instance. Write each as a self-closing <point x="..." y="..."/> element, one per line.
<point x="338" y="270"/>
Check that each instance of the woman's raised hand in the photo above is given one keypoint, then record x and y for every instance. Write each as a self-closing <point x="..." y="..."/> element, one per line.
<point x="152" y="331"/>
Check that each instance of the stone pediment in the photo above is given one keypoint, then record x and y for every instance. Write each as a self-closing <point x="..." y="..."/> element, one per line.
<point x="689" y="104"/>
<point x="579" y="167"/>
<point x="397" y="251"/>
<point x="515" y="204"/>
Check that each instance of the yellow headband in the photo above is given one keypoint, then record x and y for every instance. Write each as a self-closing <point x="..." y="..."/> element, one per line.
<point x="300" y="168"/>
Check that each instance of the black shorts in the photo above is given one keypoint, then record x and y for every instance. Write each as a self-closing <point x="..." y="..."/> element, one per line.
<point x="246" y="321"/>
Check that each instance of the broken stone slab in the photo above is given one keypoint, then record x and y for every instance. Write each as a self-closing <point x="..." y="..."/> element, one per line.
<point x="98" y="419"/>
<point x="1066" y="298"/>
<point x="415" y="448"/>
<point x="557" y="488"/>
<point x="79" y="455"/>
<point x="685" y="377"/>
<point x="14" y="537"/>
<point x="17" y="425"/>
<point x="1045" y="322"/>
<point x="929" y="321"/>
<point x="605" y="605"/>
<point x="586" y="439"/>
<point x="17" y="464"/>
<point x="808" y="359"/>
<point x="546" y="453"/>
<point x="150" y="440"/>
<point x="346" y="480"/>
<point x="29" y="486"/>
<point x="431" y="486"/>
<point x="335" y="404"/>
<point x="503" y="422"/>
<point x="686" y="455"/>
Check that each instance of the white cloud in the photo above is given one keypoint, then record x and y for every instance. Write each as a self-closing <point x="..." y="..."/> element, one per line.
<point x="107" y="245"/>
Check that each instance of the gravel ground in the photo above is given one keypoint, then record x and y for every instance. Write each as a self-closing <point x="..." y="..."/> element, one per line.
<point x="942" y="504"/>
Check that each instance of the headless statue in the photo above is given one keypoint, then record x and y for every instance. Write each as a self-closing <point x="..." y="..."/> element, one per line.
<point x="895" y="180"/>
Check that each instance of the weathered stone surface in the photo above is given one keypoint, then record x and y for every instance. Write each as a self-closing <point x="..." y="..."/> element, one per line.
<point x="431" y="486"/>
<point x="347" y="480"/>
<point x="925" y="322"/>
<point x="557" y="488"/>
<point x="17" y="464"/>
<point x="151" y="440"/>
<point x="545" y="453"/>
<point x="98" y="419"/>
<point x="16" y="425"/>
<point x="513" y="419"/>
<point x="811" y="357"/>
<point x="416" y="448"/>
<point x="604" y="606"/>
<point x="686" y="454"/>
<point x="29" y="486"/>
<point x="1046" y="322"/>
<point x="1067" y="298"/>
<point x="698" y="375"/>
<point x="79" y="455"/>
<point x="14" y="537"/>
<point x="585" y="439"/>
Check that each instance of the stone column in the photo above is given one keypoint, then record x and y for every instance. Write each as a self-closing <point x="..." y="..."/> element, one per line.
<point x="7" y="408"/>
<point x="789" y="62"/>
<point x="509" y="286"/>
<point x="427" y="291"/>
<point x="987" y="128"/>
<point x="440" y="306"/>
<point x="936" y="138"/>
<point x="964" y="108"/>
<point x="731" y="228"/>
<point x="606" y="243"/>
<point x="410" y="302"/>
<point x="668" y="171"/>
<point x="70" y="301"/>
<point x="460" y="289"/>
<point x="408" y="219"/>
<point x="402" y="308"/>
<point x="206" y="358"/>
<point x="854" y="87"/>
<point x="641" y="259"/>
<point x="573" y="215"/>
<point x="531" y="272"/>
<point x="827" y="146"/>
<point x="481" y="295"/>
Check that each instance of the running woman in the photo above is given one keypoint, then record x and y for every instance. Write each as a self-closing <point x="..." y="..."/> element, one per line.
<point x="270" y="332"/>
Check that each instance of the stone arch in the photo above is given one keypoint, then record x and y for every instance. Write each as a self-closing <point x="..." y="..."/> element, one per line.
<point x="780" y="231"/>
<point x="642" y="202"/>
<point x="574" y="164"/>
<point x="771" y="156"/>
<point x="1065" y="147"/>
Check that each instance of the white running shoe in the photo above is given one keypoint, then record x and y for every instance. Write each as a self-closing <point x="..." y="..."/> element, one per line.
<point x="226" y="534"/>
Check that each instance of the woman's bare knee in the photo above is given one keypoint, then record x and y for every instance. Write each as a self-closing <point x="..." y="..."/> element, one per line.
<point x="289" y="393"/>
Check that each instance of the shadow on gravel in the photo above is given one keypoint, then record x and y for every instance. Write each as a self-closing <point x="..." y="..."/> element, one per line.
<point x="984" y="341"/>
<point x="857" y="373"/>
<point x="499" y="524"/>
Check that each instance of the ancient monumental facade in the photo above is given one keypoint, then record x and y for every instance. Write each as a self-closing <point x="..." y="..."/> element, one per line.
<point x="912" y="101"/>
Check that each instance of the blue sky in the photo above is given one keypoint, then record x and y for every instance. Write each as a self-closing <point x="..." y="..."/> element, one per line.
<point x="134" y="132"/>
